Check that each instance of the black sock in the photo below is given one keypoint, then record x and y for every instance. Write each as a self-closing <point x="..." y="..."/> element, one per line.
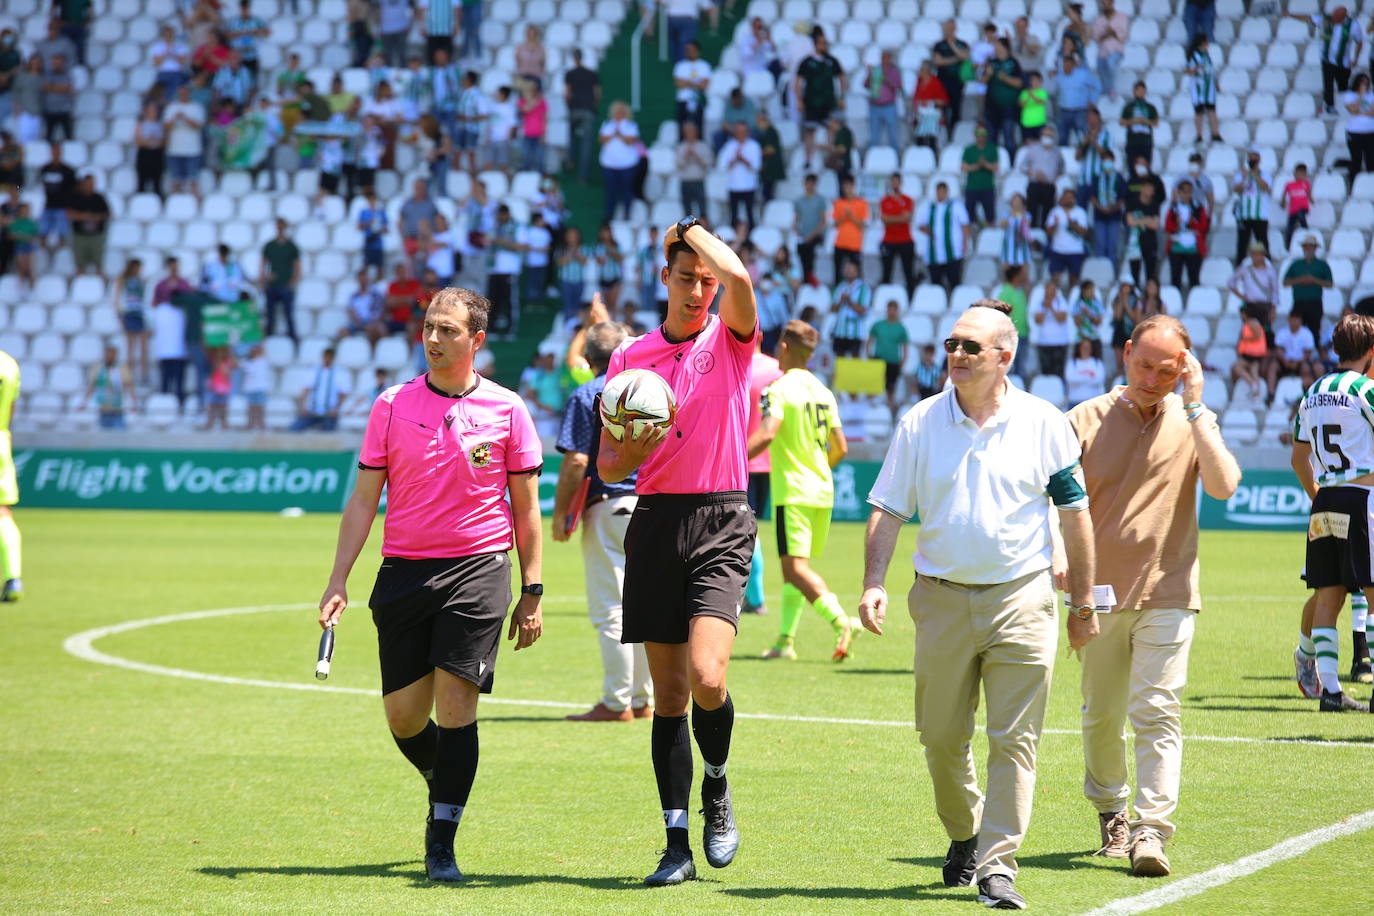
<point x="1361" y="644"/>
<point x="672" y="753"/>
<point x="420" y="749"/>
<point x="712" y="729"/>
<point x="455" y="766"/>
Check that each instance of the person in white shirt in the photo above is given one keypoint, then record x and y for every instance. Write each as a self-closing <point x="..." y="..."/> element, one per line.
<point x="172" y="58"/>
<point x="1256" y="283"/>
<point x="256" y="382"/>
<point x="1358" y="104"/>
<point x="1294" y="353"/>
<point x="691" y="75"/>
<point x="169" y="349"/>
<point x="223" y="278"/>
<point x="1052" y="329"/>
<point x="319" y="402"/>
<point x="538" y="242"/>
<point x="183" y="121"/>
<point x="619" y="158"/>
<point x="983" y="50"/>
<point x="502" y="122"/>
<point x="1068" y="228"/>
<point x="945" y="224"/>
<point x="757" y="50"/>
<point x="741" y="157"/>
<point x="1085" y="377"/>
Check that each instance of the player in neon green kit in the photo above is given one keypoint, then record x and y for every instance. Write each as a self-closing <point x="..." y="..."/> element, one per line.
<point x="9" y="483"/>
<point x="801" y="429"/>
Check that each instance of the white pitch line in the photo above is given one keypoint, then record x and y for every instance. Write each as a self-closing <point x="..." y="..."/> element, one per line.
<point x="82" y="646"/>
<point x="1224" y="874"/>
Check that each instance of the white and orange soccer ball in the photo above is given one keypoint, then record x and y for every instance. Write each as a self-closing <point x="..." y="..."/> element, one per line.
<point x="637" y="398"/>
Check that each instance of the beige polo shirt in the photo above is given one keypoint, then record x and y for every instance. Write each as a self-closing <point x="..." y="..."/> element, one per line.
<point x="1142" y="492"/>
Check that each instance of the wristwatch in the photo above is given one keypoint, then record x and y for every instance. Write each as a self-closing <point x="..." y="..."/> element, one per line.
<point x="1083" y="611"/>
<point x="534" y="588"/>
<point x="687" y="222"/>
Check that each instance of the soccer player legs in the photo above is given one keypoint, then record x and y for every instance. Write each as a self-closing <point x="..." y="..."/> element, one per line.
<point x="691" y="538"/>
<point x="801" y="431"/>
<point x="11" y="588"/>
<point x="448" y="446"/>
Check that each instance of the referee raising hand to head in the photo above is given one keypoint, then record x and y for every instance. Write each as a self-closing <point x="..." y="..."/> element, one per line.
<point x="448" y="446"/>
<point x="976" y="463"/>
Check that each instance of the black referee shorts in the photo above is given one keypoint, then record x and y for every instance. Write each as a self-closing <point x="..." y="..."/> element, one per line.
<point x="686" y="555"/>
<point x="440" y="613"/>
<point x="1338" y="546"/>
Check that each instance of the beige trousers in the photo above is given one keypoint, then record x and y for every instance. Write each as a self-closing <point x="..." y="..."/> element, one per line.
<point x="1136" y="667"/>
<point x="1003" y="636"/>
<point x="626" y="679"/>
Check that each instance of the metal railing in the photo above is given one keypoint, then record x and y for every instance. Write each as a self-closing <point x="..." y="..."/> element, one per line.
<point x="636" y="39"/>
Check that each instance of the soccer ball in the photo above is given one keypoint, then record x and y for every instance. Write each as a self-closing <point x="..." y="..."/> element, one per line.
<point x="637" y="398"/>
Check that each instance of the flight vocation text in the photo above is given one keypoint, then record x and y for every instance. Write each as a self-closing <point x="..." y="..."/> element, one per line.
<point x="94" y="480"/>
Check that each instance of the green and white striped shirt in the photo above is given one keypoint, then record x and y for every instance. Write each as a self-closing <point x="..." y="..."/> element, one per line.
<point x="849" y="321"/>
<point x="1091" y="165"/>
<point x="439" y="16"/>
<point x="1252" y="202"/>
<point x="1204" y="88"/>
<point x="1336" y="417"/>
<point x="1339" y="41"/>
<point x="946" y="221"/>
<point x="1016" y="240"/>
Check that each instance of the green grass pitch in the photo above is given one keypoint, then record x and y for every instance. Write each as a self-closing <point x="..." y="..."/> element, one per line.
<point x="127" y="791"/>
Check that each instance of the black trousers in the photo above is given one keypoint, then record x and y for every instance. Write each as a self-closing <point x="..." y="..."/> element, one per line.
<point x="1361" y="148"/>
<point x="954" y="88"/>
<point x="1333" y="76"/>
<point x="51" y="123"/>
<point x="1144" y="268"/>
<point x="693" y="113"/>
<point x="1179" y="264"/>
<point x="1248" y="230"/>
<point x="1039" y="201"/>
<point x="742" y="200"/>
<point x="1136" y="147"/>
<point x="1052" y="358"/>
<point x="500" y="289"/>
<point x="840" y="256"/>
<point x="947" y="275"/>
<point x="149" y="165"/>
<point x="906" y="253"/>
<point x="806" y="254"/>
<point x="172" y="378"/>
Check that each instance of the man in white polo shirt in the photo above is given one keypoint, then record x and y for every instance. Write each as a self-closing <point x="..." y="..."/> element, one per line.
<point x="741" y="157"/>
<point x="980" y="464"/>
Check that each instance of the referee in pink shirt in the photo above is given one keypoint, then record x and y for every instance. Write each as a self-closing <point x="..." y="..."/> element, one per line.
<point x="448" y="446"/>
<point x="691" y="538"/>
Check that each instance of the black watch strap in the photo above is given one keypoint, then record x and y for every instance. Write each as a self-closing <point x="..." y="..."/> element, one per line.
<point x="687" y="222"/>
<point x="535" y="588"/>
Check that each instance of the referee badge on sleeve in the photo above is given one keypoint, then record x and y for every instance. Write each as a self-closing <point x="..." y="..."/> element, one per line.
<point x="480" y="455"/>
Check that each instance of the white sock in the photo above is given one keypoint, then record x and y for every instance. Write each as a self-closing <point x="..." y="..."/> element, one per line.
<point x="446" y="812"/>
<point x="1328" y="658"/>
<point x="675" y="818"/>
<point x="1305" y="645"/>
<point x="1359" y="611"/>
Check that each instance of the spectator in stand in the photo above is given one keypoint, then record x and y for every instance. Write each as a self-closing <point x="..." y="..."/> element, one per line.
<point x="89" y="213"/>
<point x="150" y="158"/>
<point x="1005" y="80"/>
<point x="470" y="20"/>
<point x="884" y="95"/>
<point x="1025" y="47"/>
<point x="682" y="24"/>
<point x="980" y="184"/>
<point x="538" y="240"/>
<point x="419" y="209"/>
<point x="980" y="55"/>
<point x="394" y="20"/>
<point x="1141" y="175"/>
<point x="1307" y="277"/>
<point x="438" y="24"/>
<point x="131" y="308"/>
<point x="169" y="349"/>
<point x="693" y="160"/>
<point x="1077" y="31"/>
<point x="1250" y="191"/>
<point x="897" y="211"/>
<point x="619" y="159"/>
<point x="1014" y="292"/>
<point x="22" y="236"/>
<point x="243" y="33"/>
<point x="1076" y="89"/>
<point x="758" y="52"/>
<point x="850" y="215"/>
<point x="234" y="82"/>
<point x="1042" y="163"/>
<point x="1203" y="190"/>
<point x="928" y="106"/>
<point x="439" y="246"/>
<point x="888" y="341"/>
<point x="530" y="57"/>
<point x="1186" y="224"/>
<point x="55" y="45"/>
<point x="201" y="23"/>
<point x="691" y="76"/>
<point x="1107" y="201"/>
<point x="1088" y="313"/>
<point x="1198" y="17"/>
<point x="75" y="16"/>
<point x="930" y="374"/>
<point x="1341" y="39"/>
<point x="574" y="266"/>
<point x="1295" y="353"/>
<point x="373" y="224"/>
<point x="774" y="168"/>
<point x="172" y="58"/>
<point x="59" y="101"/>
<point x="609" y="259"/>
<point x="838" y="148"/>
<point x="1297" y="198"/>
<point x="1016" y="234"/>
<point x="945" y="225"/>
<point x="11" y="161"/>
<point x="319" y="403"/>
<point x="1068" y="229"/>
<point x="1110" y="31"/>
<point x="255" y="381"/>
<point x="113" y="390"/>
<point x="582" y="96"/>
<point x="950" y="55"/>
<point x="738" y="107"/>
<point x="212" y="55"/>
<point x="1252" y="351"/>
<point x="502" y="123"/>
<point x="815" y="88"/>
<point x="1358" y="105"/>
<point x="1085" y="376"/>
<point x="364" y="311"/>
<point x="59" y="186"/>
<point x="470" y="110"/>
<point x="1140" y="119"/>
<point x="1092" y="144"/>
<point x="402" y="295"/>
<point x="223" y="279"/>
<point x="506" y="253"/>
<point x="1034" y="102"/>
<point x="11" y="62"/>
<point x="741" y="158"/>
<point x="810" y="225"/>
<point x="534" y="126"/>
<point x="1054" y="329"/>
<point x="850" y="304"/>
<point x="27" y="95"/>
<point x="174" y="284"/>
<point x="288" y="81"/>
<point x="1203" y="87"/>
<point x="279" y="276"/>
<point x="1256" y="284"/>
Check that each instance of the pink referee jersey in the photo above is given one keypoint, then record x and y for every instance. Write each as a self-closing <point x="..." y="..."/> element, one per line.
<point x="705" y="451"/>
<point x="763" y="372"/>
<point x="446" y="459"/>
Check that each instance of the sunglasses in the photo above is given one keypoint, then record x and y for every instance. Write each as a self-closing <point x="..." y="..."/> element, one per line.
<point x="970" y="347"/>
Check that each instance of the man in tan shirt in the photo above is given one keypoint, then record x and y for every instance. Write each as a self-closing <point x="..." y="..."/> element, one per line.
<point x="1144" y="449"/>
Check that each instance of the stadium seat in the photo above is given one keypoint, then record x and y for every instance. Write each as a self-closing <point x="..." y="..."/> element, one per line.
<point x="1049" y="387"/>
<point x="929" y="299"/>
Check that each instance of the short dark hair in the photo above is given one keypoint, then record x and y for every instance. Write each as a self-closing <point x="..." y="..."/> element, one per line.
<point x="810" y="176"/>
<point x="1353" y="336"/>
<point x="677" y="248"/>
<point x="477" y="306"/>
<point x="797" y="334"/>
